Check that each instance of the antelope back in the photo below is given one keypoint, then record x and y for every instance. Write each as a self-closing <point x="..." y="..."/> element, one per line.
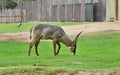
<point x="48" y="31"/>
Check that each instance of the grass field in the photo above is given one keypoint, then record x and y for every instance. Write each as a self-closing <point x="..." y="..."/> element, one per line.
<point x="95" y="51"/>
<point x="99" y="51"/>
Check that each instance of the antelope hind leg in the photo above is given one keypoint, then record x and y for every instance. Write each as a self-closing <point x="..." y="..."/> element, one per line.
<point x="30" y="46"/>
<point x="36" y="47"/>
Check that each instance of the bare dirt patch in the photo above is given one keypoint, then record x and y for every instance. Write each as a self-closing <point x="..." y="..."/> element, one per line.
<point x="70" y="30"/>
<point x="20" y="37"/>
<point x="95" y="72"/>
<point x="99" y="72"/>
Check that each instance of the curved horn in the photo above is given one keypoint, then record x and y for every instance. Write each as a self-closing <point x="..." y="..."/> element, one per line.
<point x="75" y="41"/>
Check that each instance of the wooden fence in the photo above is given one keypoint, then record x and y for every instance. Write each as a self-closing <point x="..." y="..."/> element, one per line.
<point x="57" y="10"/>
<point x="70" y="10"/>
<point x="31" y="10"/>
<point x="11" y="15"/>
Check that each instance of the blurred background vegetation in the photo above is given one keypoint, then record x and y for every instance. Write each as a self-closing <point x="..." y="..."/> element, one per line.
<point x="10" y="4"/>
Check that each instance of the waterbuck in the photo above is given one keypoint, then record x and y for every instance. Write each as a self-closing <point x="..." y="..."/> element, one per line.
<point x="55" y="33"/>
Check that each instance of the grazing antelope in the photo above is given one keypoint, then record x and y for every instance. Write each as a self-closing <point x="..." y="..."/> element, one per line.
<point x="55" y="33"/>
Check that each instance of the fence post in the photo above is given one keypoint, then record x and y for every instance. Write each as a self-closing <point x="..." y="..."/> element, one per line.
<point x="39" y="8"/>
<point x="21" y="11"/>
<point x="58" y="19"/>
<point x="83" y="10"/>
<point x="92" y="11"/>
<point x="103" y="9"/>
<point x="66" y="3"/>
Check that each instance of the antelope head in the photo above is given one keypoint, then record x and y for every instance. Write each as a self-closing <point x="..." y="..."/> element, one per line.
<point x="74" y="44"/>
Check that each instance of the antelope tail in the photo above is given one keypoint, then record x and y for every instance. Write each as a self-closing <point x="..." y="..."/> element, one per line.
<point x="31" y="32"/>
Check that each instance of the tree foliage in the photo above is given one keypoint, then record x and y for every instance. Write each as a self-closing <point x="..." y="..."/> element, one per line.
<point x="11" y="4"/>
<point x="2" y="4"/>
<point x="8" y="4"/>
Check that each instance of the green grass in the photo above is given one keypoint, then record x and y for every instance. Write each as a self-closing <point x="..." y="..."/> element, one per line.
<point x="12" y="27"/>
<point x="99" y="51"/>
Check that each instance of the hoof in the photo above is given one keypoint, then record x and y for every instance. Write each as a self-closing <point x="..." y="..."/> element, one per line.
<point x="37" y="54"/>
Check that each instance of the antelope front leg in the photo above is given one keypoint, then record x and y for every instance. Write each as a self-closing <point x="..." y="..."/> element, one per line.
<point x="54" y="44"/>
<point x="59" y="46"/>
